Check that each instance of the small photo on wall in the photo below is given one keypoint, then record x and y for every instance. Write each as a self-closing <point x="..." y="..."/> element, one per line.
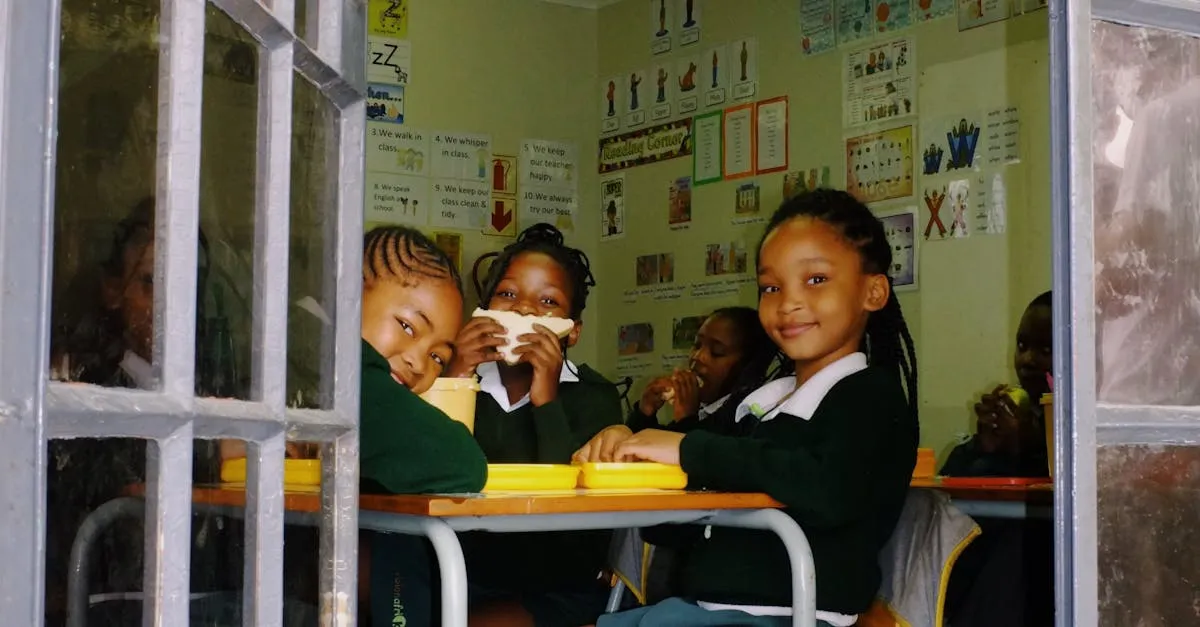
<point x="900" y="228"/>
<point x="801" y="181"/>
<point x="635" y="339"/>
<point x="666" y="268"/>
<point x="636" y="98"/>
<point x="683" y="332"/>
<point x="385" y="103"/>
<point x="679" y="211"/>
<point x="662" y="24"/>
<point x="664" y="91"/>
<point x="612" y="101"/>
<point x="646" y="270"/>
<point x="687" y="17"/>
<point x="612" y="203"/>
<point x="746" y="199"/>
<point x="727" y="258"/>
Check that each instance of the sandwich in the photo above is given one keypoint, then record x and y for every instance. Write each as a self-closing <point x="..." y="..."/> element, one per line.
<point x="669" y="395"/>
<point x="516" y="325"/>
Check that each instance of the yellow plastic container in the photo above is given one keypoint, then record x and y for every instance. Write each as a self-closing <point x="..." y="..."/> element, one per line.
<point x="531" y="477"/>
<point x="455" y="397"/>
<point x="632" y="476"/>
<point x="1048" y="418"/>
<point x="295" y="471"/>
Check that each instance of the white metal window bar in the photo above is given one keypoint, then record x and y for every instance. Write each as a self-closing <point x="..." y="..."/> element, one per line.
<point x="32" y="410"/>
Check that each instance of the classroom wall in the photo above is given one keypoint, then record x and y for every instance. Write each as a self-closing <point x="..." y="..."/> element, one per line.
<point x="971" y="291"/>
<point x="518" y="69"/>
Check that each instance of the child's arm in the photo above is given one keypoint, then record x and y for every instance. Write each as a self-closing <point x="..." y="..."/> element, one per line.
<point x="825" y="484"/>
<point x="409" y="446"/>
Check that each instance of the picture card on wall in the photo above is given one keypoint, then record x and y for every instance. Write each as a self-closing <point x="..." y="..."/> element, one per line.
<point x="738" y="143"/>
<point x="934" y="198"/>
<point x="451" y="244"/>
<point x="854" y="20"/>
<point x="817" y="26"/>
<point x="880" y="82"/>
<point x="958" y="201"/>
<point x="460" y="204"/>
<point x="715" y="77"/>
<point x="612" y="207"/>
<point x="388" y="18"/>
<point x="745" y="68"/>
<point x="664" y="92"/>
<point x="707" y="165"/>
<point x="925" y="10"/>
<point x="879" y="165"/>
<point x="661" y="26"/>
<point x="635" y="104"/>
<point x="891" y="15"/>
<point x="397" y="199"/>
<point x="388" y="60"/>
<point x="502" y="220"/>
<point x="804" y="181"/>
<point x="385" y="103"/>
<point x="687" y="17"/>
<point x="772" y="129"/>
<point x="504" y="174"/>
<point x="612" y="103"/>
<point x="687" y="82"/>
<point x="679" y="201"/>
<point x="900" y="228"/>
<point x="975" y="13"/>
<point x="463" y="156"/>
<point x="397" y="149"/>
<point x="746" y="204"/>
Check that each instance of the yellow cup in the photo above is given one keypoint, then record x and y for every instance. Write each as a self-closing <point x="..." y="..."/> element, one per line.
<point x="455" y="397"/>
<point x="1048" y="418"/>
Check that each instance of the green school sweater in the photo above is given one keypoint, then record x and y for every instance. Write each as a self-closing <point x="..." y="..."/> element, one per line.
<point x="550" y="434"/>
<point x="843" y="476"/>
<point x="408" y="446"/>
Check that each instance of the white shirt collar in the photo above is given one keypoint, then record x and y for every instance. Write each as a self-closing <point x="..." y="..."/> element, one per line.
<point x="711" y="408"/>
<point x="773" y="397"/>
<point x="490" y="383"/>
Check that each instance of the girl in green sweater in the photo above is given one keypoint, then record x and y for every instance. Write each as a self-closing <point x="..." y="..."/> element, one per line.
<point x="539" y="410"/>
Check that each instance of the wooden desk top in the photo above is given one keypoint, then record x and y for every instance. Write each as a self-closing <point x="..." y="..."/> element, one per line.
<point x="1034" y="494"/>
<point x="502" y="504"/>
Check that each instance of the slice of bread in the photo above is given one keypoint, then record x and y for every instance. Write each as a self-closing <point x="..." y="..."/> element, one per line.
<point x="669" y="395"/>
<point x="516" y="325"/>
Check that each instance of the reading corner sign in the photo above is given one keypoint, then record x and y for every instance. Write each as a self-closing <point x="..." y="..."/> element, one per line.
<point x="648" y="145"/>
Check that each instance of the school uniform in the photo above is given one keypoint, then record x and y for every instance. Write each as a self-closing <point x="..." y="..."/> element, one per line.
<point x="638" y="421"/>
<point x="556" y="575"/>
<point x="838" y="451"/>
<point x="407" y="446"/>
<point x="968" y="459"/>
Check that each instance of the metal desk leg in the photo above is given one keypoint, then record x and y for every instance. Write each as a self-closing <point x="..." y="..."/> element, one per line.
<point x="451" y="563"/>
<point x="804" y="581"/>
<point x="81" y="549"/>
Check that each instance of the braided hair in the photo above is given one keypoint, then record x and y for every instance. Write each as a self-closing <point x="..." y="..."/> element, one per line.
<point x="886" y="340"/>
<point x="758" y="350"/>
<point x="548" y="240"/>
<point x="404" y="254"/>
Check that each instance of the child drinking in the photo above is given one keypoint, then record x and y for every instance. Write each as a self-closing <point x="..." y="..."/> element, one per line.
<point x="539" y="410"/>
<point x="836" y="442"/>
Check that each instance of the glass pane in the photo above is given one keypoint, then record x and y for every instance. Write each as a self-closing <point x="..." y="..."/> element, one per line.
<point x="1147" y="209"/>
<point x="1148" y="515"/>
<point x="227" y="194"/>
<point x="311" y="282"/>
<point x="103" y="293"/>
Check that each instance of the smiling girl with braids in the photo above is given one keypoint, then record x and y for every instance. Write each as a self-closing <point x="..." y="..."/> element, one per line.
<point x="411" y="305"/>
<point x="835" y="443"/>
<point x="539" y="410"/>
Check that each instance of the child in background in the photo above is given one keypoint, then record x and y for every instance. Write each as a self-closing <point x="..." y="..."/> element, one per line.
<point x="835" y="443"/>
<point x="539" y="410"/>
<point x="729" y="359"/>
<point x="1010" y="435"/>
<point x="1006" y="576"/>
<point x="411" y="312"/>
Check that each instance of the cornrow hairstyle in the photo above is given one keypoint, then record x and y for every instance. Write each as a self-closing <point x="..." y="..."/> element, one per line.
<point x="548" y="240"/>
<point x="758" y="350"/>
<point x="406" y="255"/>
<point x="887" y="341"/>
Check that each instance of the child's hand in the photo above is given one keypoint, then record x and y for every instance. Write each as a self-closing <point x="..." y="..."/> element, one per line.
<point x="652" y="445"/>
<point x="541" y="349"/>
<point x="602" y="445"/>
<point x="1003" y="425"/>
<point x="476" y="344"/>
<point x="652" y="396"/>
<point x="687" y="394"/>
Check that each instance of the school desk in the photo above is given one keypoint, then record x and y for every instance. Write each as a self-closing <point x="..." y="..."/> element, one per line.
<point x="985" y="499"/>
<point x="438" y="518"/>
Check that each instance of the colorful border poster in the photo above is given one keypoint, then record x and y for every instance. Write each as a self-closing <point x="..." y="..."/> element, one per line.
<point x="817" y="26"/>
<point x="738" y="135"/>
<point x="652" y="144"/>
<point x="706" y="162"/>
<point x="879" y="165"/>
<point x="771" y="143"/>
